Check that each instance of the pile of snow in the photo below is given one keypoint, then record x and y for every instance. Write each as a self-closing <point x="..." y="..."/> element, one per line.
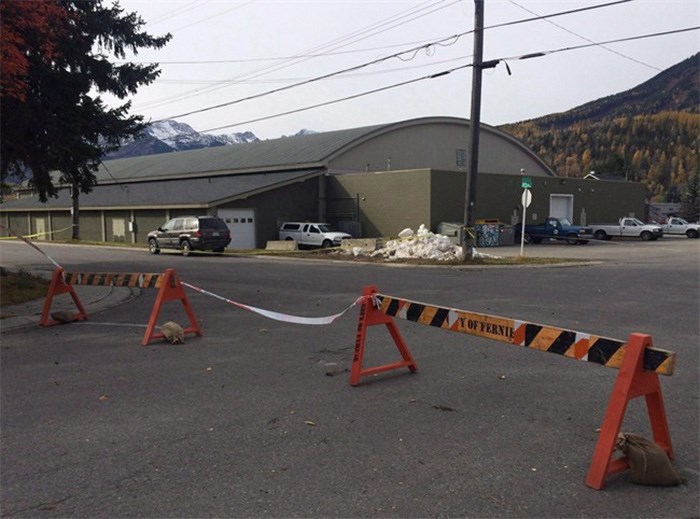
<point x="422" y="244"/>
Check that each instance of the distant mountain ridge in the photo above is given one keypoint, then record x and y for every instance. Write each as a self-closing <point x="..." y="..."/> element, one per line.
<point x="650" y="134"/>
<point x="169" y="136"/>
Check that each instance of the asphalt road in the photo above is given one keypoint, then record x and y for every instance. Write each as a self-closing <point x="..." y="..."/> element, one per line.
<point x="256" y="418"/>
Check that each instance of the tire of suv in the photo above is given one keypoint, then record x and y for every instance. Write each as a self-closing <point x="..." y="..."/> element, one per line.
<point x="153" y="246"/>
<point x="185" y="247"/>
<point x="220" y="249"/>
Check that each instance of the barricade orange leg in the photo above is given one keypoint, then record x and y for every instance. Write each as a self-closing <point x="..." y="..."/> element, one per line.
<point x="170" y="290"/>
<point x="370" y="316"/>
<point x="59" y="286"/>
<point x="632" y="382"/>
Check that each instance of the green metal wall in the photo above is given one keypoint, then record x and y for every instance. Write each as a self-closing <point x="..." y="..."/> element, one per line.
<point x="91" y="226"/>
<point x="18" y="222"/>
<point x="146" y="221"/>
<point x="61" y="225"/>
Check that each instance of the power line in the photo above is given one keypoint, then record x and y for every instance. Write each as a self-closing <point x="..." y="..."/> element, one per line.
<point x="288" y="79"/>
<point x="414" y="50"/>
<point x="486" y="64"/>
<point x="213" y="16"/>
<point x="178" y="11"/>
<point x="584" y="38"/>
<point x="334" y="101"/>
<point x="595" y="44"/>
<point x="336" y="43"/>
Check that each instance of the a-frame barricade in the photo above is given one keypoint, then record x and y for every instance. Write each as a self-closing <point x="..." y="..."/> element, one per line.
<point x="170" y="290"/>
<point x="371" y="316"/>
<point x="58" y="286"/>
<point x="632" y="382"/>
<point x="168" y="283"/>
<point x="639" y="363"/>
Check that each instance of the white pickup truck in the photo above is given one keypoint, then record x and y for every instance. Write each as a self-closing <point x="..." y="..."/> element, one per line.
<point x="627" y="228"/>
<point x="679" y="226"/>
<point x="311" y="234"/>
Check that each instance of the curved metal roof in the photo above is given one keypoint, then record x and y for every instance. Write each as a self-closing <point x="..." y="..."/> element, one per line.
<point x="285" y="153"/>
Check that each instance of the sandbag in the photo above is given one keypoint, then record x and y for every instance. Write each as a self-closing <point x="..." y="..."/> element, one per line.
<point x="63" y="316"/>
<point x="649" y="464"/>
<point x="173" y="332"/>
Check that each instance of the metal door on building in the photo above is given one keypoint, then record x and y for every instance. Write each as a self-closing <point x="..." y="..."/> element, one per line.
<point x="561" y="206"/>
<point x="241" y="223"/>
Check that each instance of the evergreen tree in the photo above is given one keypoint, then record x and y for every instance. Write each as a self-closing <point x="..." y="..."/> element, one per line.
<point x="690" y="199"/>
<point x="53" y="118"/>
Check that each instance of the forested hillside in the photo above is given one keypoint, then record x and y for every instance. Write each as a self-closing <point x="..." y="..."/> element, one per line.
<point x="650" y="133"/>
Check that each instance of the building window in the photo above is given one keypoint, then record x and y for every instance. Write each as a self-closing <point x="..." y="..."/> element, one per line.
<point x="462" y="158"/>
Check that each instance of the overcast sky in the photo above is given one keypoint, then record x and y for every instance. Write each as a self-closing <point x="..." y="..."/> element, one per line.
<point x="223" y="51"/>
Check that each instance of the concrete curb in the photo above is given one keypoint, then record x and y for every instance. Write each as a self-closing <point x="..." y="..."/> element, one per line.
<point x="94" y="299"/>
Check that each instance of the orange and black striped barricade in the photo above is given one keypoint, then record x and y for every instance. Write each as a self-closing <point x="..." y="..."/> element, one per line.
<point x="170" y="290"/>
<point x="59" y="285"/>
<point x="638" y="362"/>
<point x="168" y="285"/>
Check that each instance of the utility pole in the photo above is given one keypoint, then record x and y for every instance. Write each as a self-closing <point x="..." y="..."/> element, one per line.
<point x="468" y="234"/>
<point x="75" y="210"/>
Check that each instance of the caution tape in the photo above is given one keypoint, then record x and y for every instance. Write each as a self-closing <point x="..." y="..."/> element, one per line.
<point x="277" y="316"/>
<point x="36" y="235"/>
<point x="569" y="343"/>
<point x="28" y="242"/>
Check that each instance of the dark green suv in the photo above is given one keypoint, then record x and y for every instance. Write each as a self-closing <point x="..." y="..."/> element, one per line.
<point x="188" y="233"/>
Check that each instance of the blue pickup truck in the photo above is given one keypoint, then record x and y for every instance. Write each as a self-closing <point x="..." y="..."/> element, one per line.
<point x="557" y="229"/>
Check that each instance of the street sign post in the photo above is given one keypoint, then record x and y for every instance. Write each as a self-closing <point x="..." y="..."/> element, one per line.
<point x="525" y="200"/>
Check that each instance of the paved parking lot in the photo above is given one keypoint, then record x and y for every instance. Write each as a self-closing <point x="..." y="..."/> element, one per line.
<point x="256" y="418"/>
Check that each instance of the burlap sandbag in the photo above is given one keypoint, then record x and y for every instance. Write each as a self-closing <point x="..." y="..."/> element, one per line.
<point x="649" y="464"/>
<point x="173" y="332"/>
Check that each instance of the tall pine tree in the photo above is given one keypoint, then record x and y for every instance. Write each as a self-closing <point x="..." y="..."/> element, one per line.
<point x="52" y="117"/>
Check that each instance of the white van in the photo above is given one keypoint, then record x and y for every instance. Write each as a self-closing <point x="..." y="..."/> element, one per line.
<point x="312" y="234"/>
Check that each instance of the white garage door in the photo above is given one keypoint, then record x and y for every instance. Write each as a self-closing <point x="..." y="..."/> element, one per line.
<point x="241" y="223"/>
<point x="562" y="206"/>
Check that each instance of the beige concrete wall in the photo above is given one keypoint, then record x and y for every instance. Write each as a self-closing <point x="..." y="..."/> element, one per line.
<point x="117" y="226"/>
<point x="399" y="199"/>
<point x="39" y="223"/>
<point x="389" y="201"/>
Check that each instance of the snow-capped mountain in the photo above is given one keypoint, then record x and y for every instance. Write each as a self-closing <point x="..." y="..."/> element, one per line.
<point x="169" y="135"/>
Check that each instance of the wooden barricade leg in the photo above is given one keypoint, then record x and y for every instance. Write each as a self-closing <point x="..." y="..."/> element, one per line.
<point x="170" y="290"/>
<point x="59" y="286"/>
<point x="370" y="316"/>
<point x="632" y="382"/>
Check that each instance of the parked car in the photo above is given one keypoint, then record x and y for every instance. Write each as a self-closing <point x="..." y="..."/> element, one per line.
<point x="627" y="228"/>
<point x="311" y="234"/>
<point x="555" y="228"/>
<point x="188" y="233"/>
<point x="679" y="227"/>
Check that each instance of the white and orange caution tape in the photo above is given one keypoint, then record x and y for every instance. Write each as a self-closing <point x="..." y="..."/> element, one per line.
<point x="28" y="242"/>
<point x="277" y="316"/>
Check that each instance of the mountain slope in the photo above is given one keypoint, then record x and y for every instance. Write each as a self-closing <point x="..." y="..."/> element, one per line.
<point x="650" y="133"/>
<point x="169" y="136"/>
